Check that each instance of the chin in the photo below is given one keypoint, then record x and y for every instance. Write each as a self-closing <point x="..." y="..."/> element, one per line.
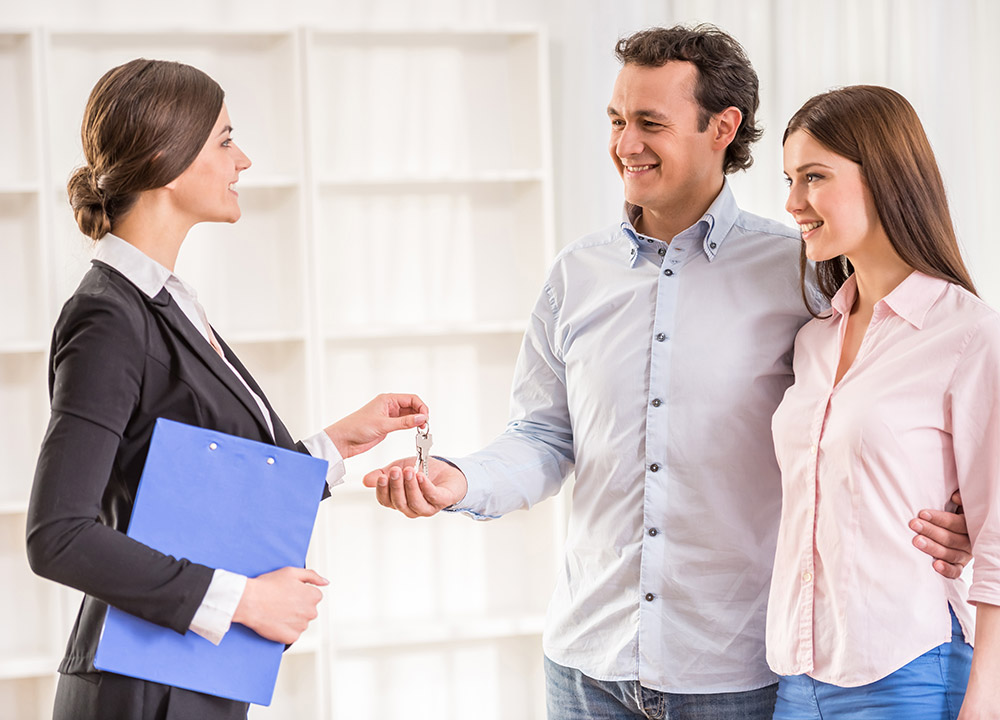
<point x="816" y="255"/>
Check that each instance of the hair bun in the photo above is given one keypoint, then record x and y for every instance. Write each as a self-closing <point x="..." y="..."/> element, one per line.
<point x="88" y="200"/>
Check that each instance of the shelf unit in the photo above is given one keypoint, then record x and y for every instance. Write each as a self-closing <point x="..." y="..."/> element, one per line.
<point x="397" y="223"/>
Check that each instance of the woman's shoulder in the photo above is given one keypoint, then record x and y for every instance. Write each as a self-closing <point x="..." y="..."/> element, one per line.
<point x="960" y="308"/>
<point x="104" y="298"/>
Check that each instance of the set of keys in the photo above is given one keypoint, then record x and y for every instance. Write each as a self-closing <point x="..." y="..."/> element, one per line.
<point x="424" y="442"/>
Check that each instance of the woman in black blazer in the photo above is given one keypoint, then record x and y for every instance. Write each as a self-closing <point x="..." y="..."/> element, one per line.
<point x="132" y="345"/>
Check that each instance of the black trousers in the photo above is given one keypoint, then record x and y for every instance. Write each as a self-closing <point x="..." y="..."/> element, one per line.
<point x="107" y="696"/>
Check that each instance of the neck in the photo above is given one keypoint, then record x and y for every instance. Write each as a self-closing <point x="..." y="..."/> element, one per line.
<point x="666" y="220"/>
<point x="153" y="228"/>
<point x="876" y="278"/>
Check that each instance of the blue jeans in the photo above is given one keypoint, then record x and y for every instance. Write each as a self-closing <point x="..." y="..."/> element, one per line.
<point x="929" y="688"/>
<point x="571" y="695"/>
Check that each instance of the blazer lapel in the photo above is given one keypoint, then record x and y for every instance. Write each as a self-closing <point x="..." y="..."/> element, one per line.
<point x="164" y="305"/>
<point x="282" y="438"/>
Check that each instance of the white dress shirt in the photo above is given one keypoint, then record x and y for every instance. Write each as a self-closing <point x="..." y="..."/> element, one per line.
<point x="215" y="614"/>
<point x="653" y="370"/>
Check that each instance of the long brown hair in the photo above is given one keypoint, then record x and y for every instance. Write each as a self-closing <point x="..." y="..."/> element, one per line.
<point x="725" y="77"/>
<point x="145" y="122"/>
<point x="879" y="130"/>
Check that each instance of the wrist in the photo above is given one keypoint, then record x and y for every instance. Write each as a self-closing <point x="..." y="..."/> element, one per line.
<point x="244" y="609"/>
<point x="339" y="442"/>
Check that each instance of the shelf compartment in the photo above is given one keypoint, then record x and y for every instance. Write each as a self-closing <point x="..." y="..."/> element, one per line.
<point x="424" y="104"/>
<point x="22" y="274"/>
<point x="248" y="274"/>
<point x="24" y="398"/>
<point x="280" y="370"/>
<point x="34" y="636"/>
<point x="18" y="122"/>
<point x="471" y="255"/>
<point x="446" y="580"/>
<point x="465" y="382"/>
<point x="500" y="679"/>
<point x="258" y="71"/>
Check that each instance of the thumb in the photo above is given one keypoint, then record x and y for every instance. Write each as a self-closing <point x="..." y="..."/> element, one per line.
<point x="407" y="422"/>
<point x="311" y="577"/>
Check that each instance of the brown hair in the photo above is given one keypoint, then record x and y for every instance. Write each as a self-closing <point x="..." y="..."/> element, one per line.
<point x="725" y="77"/>
<point x="879" y="130"/>
<point x="145" y="122"/>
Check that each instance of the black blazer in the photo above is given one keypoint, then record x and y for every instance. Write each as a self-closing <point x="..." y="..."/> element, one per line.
<point x="120" y="360"/>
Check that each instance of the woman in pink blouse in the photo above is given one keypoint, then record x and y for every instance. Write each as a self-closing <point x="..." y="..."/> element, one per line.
<point x="894" y="407"/>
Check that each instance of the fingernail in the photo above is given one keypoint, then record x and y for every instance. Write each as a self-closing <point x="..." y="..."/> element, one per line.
<point x="419" y="419"/>
<point x="917" y="525"/>
<point x="925" y="515"/>
<point x="920" y="542"/>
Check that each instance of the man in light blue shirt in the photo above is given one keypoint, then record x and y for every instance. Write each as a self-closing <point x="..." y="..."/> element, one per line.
<point x="654" y="358"/>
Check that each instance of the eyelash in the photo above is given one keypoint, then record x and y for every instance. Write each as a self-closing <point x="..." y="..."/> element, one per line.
<point x="810" y="177"/>
<point x="645" y="123"/>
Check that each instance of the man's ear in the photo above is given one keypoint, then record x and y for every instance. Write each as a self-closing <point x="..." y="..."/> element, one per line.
<point x="724" y="126"/>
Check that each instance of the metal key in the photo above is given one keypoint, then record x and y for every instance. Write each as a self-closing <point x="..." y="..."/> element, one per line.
<point x="424" y="442"/>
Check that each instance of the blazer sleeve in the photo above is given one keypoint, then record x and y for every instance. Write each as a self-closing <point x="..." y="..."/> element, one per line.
<point x="96" y="374"/>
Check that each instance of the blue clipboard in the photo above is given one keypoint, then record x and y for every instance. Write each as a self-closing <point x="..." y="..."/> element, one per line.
<point x="225" y="502"/>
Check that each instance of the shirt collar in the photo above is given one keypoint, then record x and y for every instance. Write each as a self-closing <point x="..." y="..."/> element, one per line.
<point x="910" y="300"/>
<point x="140" y="269"/>
<point x="712" y="228"/>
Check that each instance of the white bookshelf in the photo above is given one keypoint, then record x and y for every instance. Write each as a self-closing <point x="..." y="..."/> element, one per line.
<point x="397" y="224"/>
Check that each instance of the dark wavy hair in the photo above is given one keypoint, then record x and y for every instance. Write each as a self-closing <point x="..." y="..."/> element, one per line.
<point x="145" y="123"/>
<point x="879" y="130"/>
<point x="725" y="77"/>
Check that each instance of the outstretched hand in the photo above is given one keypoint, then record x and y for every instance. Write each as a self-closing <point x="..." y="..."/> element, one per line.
<point x="279" y="605"/>
<point x="945" y="537"/>
<point x="367" y="427"/>
<point x="398" y="485"/>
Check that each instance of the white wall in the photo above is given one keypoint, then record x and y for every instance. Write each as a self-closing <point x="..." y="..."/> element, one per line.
<point x="941" y="54"/>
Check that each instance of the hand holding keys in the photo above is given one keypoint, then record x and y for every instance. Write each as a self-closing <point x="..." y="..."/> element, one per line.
<point x="424" y="442"/>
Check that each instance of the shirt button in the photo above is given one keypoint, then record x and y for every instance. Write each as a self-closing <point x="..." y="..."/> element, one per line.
<point x="807" y="577"/>
<point x="812" y="449"/>
<point x="653" y="532"/>
<point x="656" y="402"/>
<point x="649" y="240"/>
<point x="662" y="251"/>
<point x="649" y="597"/>
<point x="712" y="245"/>
<point x="654" y="467"/>
<point x="660" y="337"/>
<point x="668" y="272"/>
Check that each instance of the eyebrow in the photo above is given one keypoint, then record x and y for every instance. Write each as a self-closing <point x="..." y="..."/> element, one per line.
<point x="800" y="168"/>
<point x="649" y="114"/>
<point x="226" y="129"/>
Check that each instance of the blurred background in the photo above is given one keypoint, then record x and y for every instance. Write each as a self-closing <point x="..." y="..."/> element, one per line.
<point x="417" y="165"/>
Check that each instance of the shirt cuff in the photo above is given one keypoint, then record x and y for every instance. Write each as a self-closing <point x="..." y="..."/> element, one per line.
<point x="475" y="496"/>
<point x="321" y="446"/>
<point x="215" y="614"/>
